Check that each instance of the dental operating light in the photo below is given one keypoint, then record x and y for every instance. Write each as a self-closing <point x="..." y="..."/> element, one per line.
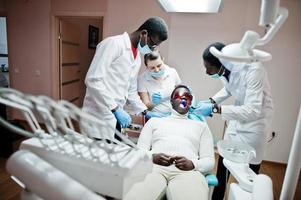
<point x="271" y="17"/>
<point x="191" y="6"/>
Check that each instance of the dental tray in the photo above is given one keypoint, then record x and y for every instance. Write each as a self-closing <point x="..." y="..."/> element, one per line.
<point x="235" y="151"/>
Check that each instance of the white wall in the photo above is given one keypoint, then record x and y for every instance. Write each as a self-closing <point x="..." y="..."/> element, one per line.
<point x="28" y="27"/>
<point x="78" y="6"/>
<point x="191" y="33"/>
<point x="284" y="72"/>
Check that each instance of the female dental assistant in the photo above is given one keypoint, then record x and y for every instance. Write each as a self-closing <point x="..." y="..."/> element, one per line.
<point x="156" y="84"/>
<point x="112" y="77"/>
<point x="250" y="116"/>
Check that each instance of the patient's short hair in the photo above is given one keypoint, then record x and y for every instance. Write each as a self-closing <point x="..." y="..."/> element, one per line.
<point x="179" y="86"/>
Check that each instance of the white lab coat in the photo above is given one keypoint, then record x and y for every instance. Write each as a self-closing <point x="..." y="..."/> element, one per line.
<point x="112" y="80"/>
<point x="250" y="117"/>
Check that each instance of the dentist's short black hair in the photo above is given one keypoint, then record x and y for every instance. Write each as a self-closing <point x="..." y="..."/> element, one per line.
<point x="209" y="57"/>
<point x="155" y="26"/>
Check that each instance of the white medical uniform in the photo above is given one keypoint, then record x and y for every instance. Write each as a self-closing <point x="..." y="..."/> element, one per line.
<point x="112" y="81"/>
<point x="146" y="83"/>
<point x="251" y="115"/>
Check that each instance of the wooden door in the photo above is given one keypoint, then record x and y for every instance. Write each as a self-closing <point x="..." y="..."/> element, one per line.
<point x="69" y="62"/>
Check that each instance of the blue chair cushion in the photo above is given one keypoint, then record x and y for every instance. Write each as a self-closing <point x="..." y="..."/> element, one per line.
<point x="211" y="179"/>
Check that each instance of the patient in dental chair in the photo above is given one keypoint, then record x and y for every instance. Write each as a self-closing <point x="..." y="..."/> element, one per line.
<point x="182" y="151"/>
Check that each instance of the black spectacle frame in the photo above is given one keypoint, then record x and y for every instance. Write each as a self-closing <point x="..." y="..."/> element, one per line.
<point x="152" y="43"/>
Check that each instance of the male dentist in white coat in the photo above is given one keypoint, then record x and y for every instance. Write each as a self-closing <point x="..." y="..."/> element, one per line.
<point x="112" y="77"/>
<point x="250" y="117"/>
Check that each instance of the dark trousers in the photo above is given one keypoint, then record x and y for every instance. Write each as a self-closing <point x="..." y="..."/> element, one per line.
<point x="118" y="127"/>
<point x="6" y="145"/>
<point x="223" y="177"/>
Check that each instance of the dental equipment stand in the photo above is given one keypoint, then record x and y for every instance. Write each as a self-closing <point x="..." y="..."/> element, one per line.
<point x="66" y="159"/>
<point x="250" y="186"/>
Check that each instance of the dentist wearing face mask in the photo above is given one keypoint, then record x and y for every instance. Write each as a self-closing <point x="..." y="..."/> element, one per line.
<point x="156" y="84"/>
<point x="112" y="77"/>
<point x="250" y="116"/>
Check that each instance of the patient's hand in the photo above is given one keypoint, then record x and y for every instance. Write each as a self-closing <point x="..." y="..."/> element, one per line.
<point x="162" y="159"/>
<point x="183" y="163"/>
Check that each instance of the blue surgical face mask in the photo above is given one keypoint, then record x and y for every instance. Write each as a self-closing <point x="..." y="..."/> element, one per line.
<point x="158" y="74"/>
<point x="216" y="76"/>
<point x="145" y="49"/>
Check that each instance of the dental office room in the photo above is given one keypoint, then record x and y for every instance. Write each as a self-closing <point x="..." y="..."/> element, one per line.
<point x="150" y="99"/>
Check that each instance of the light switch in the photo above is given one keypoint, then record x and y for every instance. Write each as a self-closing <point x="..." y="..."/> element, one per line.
<point x="17" y="71"/>
<point x="38" y="73"/>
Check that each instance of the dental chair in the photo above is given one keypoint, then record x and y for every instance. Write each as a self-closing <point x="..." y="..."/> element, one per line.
<point x="133" y="133"/>
<point x="59" y="156"/>
<point x="65" y="158"/>
<point x="59" y="162"/>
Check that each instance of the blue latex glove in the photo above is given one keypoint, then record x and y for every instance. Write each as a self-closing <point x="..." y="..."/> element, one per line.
<point x="195" y="117"/>
<point x="156" y="98"/>
<point x="211" y="180"/>
<point x="123" y="118"/>
<point x="202" y="109"/>
<point x="150" y="114"/>
<point x="195" y="102"/>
